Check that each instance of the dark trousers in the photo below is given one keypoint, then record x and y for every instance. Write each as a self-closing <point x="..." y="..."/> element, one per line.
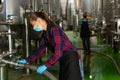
<point x="86" y="44"/>
<point x="69" y="67"/>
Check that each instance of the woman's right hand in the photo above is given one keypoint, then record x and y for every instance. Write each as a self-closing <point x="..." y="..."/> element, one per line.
<point x="22" y="61"/>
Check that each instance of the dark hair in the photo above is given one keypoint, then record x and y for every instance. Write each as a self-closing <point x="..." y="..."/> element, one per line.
<point x="42" y="15"/>
<point x="85" y="14"/>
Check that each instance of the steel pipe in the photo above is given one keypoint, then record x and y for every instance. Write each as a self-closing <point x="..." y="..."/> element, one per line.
<point x="3" y="72"/>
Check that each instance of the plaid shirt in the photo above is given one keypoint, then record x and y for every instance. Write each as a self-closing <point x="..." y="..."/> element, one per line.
<point x="55" y="40"/>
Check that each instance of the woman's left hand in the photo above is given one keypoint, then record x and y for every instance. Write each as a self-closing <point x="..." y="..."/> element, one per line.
<point x="41" y="69"/>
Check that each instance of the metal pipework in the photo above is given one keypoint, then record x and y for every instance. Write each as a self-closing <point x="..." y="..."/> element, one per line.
<point x="3" y="72"/>
<point x="46" y="73"/>
<point x="27" y="42"/>
<point x="6" y="33"/>
<point x="6" y="54"/>
<point x="9" y="33"/>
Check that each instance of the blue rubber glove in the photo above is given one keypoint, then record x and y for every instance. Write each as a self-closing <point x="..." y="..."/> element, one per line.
<point x="17" y="67"/>
<point x="41" y="69"/>
<point x="23" y="61"/>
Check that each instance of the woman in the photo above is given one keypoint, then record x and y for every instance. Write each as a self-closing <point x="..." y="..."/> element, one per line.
<point x="54" y="38"/>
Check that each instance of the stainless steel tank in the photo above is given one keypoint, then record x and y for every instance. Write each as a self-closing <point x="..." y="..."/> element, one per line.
<point x="93" y="7"/>
<point x="63" y="7"/>
<point x="119" y="8"/>
<point x="78" y="5"/>
<point x="3" y="68"/>
<point x="1" y="5"/>
<point x="2" y="27"/>
<point x="12" y="8"/>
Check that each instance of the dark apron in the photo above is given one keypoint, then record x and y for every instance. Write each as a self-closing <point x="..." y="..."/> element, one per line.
<point x="69" y="67"/>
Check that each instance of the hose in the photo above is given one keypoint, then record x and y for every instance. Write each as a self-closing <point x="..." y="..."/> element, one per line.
<point x="46" y="73"/>
<point x="115" y="63"/>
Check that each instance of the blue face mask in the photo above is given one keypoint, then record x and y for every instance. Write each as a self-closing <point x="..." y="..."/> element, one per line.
<point x="37" y="28"/>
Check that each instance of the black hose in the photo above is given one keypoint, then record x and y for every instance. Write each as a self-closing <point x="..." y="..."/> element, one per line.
<point x="46" y="73"/>
<point x="115" y="63"/>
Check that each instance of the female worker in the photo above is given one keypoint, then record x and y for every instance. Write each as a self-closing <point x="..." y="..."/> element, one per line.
<point x="54" y="38"/>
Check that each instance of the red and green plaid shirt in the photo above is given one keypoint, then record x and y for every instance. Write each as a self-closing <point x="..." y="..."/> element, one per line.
<point x="55" y="40"/>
